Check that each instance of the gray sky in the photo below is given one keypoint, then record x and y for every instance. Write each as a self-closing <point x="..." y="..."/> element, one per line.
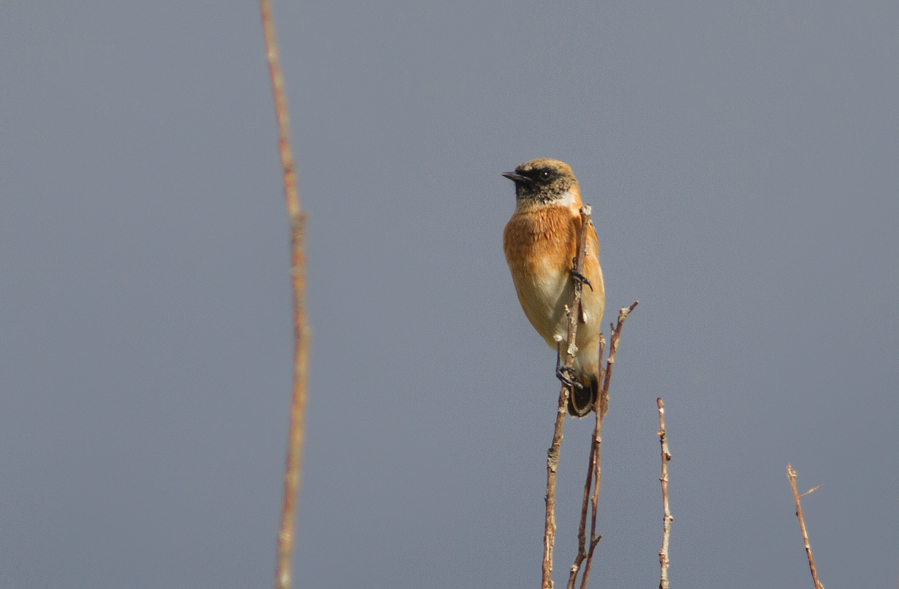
<point x="741" y="160"/>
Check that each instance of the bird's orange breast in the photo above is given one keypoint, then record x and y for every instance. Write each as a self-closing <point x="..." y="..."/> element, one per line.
<point x="540" y="245"/>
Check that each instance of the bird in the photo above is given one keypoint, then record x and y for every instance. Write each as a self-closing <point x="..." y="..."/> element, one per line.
<point x="540" y="244"/>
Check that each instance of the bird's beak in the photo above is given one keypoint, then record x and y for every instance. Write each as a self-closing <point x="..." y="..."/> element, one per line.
<point x="517" y="178"/>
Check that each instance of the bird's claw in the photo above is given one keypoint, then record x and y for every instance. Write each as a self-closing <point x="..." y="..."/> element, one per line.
<point x="566" y="375"/>
<point x="578" y="277"/>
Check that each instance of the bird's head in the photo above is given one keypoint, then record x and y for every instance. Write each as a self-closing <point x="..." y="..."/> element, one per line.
<point x="544" y="181"/>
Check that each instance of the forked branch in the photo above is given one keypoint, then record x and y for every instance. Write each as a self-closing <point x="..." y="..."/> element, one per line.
<point x="583" y="560"/>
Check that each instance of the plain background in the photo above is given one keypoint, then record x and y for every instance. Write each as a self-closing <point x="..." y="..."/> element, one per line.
<point x="741" y="160"/>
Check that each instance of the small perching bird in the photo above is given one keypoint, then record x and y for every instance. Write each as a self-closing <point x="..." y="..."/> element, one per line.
<point x="540" y="243"/>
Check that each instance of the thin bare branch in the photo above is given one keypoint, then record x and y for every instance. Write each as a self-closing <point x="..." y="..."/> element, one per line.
<point x="810" y="491"/>
<point x="552" y="461"/>
<point x="597" y="478"/>
<point x="296" y="218"/>
<point x="585" y="551"/>
<point x="613" y="351"/>
<point x="667" y="517"/>
<point x="552" y="457"/>
<point x="594" y="470"/>
<point x="791" y="474"/>
<point x="585" y="504"/>
<point x="291" y="194"/>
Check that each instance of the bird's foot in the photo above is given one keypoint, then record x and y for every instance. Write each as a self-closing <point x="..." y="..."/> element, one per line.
<point x="567" y="376"/>
<point x="578" y="277"/>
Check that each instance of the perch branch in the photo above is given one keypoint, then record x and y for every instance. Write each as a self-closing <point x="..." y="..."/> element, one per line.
<point x="552" y="456"/>
<point x="623" y="314"/>
<point x="593" y="470"/>
<point x="552" y="461"/>
<point x="667" y="518"/>
<point x="585" y="502"/>
<point x="594" y="476"/>
<point x="301" y="332"/>
<point x="791" y="474"/>
<point x="597" y="474"/>
<point x="589" y="503"/>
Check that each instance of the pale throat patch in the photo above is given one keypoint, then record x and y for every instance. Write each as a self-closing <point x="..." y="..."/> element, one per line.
<point x="567" y="199"/>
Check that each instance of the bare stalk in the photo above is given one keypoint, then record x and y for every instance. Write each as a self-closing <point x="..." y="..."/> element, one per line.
<point x="588" y="503"/>
<point x="552" y="459"/>
<point x="594" y="470"/>
<point x="582" y="529"/>
<point x="552" y="456"/>
<point x="667" y="518"/>
<point x="301" y="332"/>
<point x="597" y="476"/>
<point x="613" y="351"/>
<point x="791" y="474"/>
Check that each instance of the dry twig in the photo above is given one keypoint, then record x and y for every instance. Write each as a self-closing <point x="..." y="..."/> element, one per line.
<point x="613" y="351"/>
<point x="667" y="518"/>
<point x="791" y="474"/>
<point x="594" y="469"/>
<point x="552" y="457"/>
<point x="296" y="219"/>
<point x="597" y="477"/>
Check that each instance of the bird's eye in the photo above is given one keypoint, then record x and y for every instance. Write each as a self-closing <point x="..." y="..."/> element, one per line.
<point x="545" y="174"/>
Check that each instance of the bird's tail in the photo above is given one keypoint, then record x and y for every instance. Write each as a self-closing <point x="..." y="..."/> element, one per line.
<point x="583" y="400"/>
